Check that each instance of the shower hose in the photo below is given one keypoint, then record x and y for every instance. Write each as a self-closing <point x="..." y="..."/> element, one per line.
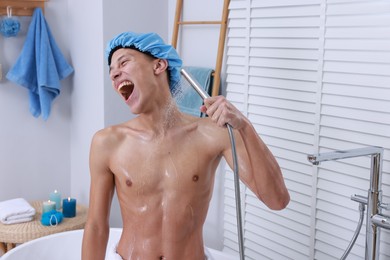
<point x="205" y="95"/>
<point x="357" y="231"/>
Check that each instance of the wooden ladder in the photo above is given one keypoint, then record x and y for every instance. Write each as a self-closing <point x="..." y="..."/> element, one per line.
<point x="221" y="43"/>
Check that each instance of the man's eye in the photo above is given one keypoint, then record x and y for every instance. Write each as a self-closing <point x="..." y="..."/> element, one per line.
<point x="124" y="63"/>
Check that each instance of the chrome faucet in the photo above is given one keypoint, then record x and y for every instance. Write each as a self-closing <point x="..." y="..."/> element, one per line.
<point x="375" y="219"/>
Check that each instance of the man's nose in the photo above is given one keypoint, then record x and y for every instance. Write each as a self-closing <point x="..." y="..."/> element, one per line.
<point x="114" y="73"/>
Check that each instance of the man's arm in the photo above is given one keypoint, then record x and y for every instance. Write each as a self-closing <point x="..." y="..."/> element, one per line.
<point x="258" y="168"/>
<point x="96" y="230"/>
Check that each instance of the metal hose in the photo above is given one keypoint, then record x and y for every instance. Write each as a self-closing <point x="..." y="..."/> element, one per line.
<point x="357" y="231"/>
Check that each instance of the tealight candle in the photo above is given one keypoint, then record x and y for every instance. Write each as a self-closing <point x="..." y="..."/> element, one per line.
<point x="48" y="206"/>
<point x="69" y="207"/>
<point x="56" y="197"/>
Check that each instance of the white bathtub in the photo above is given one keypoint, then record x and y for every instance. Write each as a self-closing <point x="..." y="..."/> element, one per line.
<point x="67" y="246"/>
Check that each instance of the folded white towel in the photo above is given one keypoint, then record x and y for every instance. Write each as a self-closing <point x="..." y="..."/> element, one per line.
<point x="16" y="211"/>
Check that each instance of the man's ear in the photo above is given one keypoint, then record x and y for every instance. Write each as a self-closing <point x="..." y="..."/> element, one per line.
<point x="160" y="66"/>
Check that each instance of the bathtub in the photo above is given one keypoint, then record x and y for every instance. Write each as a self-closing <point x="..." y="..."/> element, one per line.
<point x="67" y="246"/>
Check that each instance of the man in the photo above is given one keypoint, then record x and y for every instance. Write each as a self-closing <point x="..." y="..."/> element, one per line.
<point x="162" y="163"/>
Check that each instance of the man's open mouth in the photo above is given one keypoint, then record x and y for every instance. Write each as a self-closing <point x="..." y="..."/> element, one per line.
<point x="125" y="89"/>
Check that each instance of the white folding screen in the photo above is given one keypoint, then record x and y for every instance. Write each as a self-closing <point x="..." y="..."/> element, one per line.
<point x="312" y="76"/>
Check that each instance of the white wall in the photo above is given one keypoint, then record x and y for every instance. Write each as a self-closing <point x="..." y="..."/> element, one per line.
<point x="85" y="26"/>
<point x="34" y="154"/>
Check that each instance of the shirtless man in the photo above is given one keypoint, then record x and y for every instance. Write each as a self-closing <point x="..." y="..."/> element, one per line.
<point x="162" y="163"/>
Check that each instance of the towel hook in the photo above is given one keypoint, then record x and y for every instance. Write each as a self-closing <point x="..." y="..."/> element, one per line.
<point x="9" y="11"/>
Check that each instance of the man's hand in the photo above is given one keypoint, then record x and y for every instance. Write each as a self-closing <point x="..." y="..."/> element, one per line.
<point x="222" y="112"/>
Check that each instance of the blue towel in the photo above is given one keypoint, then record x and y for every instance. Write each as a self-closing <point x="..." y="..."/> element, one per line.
<point x="189" y="100"/>
<point x="40" y="66"/>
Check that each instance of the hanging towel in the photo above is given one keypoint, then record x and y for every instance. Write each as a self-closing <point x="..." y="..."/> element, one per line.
<point x="188" y="100"/>
<point x="16" y="211"/>
<point x="40" y="66"/>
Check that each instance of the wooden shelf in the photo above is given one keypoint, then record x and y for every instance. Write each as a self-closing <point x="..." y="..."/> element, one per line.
<point x="21" y="7"/>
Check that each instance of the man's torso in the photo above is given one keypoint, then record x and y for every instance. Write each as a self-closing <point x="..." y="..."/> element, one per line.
<point x="164" y="186"/>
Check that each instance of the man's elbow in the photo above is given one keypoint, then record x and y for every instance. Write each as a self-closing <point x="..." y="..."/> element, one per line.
<point x="278" y="202"/>
<point x="282" y="203"/>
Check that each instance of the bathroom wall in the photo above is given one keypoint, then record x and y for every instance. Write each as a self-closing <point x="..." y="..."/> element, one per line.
<point x="34" y="154"/>
<point x="87" y="99"/>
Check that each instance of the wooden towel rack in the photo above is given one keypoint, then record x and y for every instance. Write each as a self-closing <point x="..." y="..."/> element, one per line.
<point x="21" y="7"/>
<point x="221" y="42"/>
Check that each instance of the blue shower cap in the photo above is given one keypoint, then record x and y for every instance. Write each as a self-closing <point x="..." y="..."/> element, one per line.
<point x="149" y="43"/>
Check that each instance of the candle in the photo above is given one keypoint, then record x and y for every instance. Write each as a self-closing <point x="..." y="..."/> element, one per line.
<point x="56" y="197"/>
<point x="69" y="207"/>
<point x="48" y="206"/>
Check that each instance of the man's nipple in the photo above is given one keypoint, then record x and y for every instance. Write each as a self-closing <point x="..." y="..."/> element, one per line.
<point x="129" y="183"/>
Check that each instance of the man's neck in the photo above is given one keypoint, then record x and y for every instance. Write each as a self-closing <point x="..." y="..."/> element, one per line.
<point x="160" y="121"/>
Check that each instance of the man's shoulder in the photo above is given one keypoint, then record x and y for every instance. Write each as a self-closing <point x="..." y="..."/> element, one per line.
<point x="117" y="128"/>
<point x="203" y="124"/>
<point x="108" y="131"/>
<point x="209" y="134"/>
<point x="112" y="133"/>
<point x="208" y="124"/>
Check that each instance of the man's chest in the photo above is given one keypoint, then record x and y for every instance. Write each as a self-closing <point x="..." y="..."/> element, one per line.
<point x="149" y="170"/>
